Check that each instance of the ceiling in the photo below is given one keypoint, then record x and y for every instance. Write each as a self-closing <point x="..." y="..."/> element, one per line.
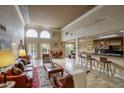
<point x="101" y="20"/>
<point x="55" y="16"/>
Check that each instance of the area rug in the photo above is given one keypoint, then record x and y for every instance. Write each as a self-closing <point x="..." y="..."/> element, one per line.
<point x="35" y="83"/>
<point x="43" y="78"/>
<point x="40" y="79"/>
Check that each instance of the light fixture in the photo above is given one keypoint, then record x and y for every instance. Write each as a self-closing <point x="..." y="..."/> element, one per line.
<point x="108" y="36"/>
<point x="122" y="31"/>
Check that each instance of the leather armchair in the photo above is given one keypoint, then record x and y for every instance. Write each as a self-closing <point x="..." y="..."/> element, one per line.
<point x="76" y="79"/>
<point x="64" y="82"/>
<point x="22" y="81"/>
<point x="46" y="58"/>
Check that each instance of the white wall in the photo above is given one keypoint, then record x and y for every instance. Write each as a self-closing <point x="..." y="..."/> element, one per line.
<point x="14" y="26"/>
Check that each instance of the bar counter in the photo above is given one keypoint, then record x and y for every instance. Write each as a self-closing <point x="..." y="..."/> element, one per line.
<point x="117" y="61"/>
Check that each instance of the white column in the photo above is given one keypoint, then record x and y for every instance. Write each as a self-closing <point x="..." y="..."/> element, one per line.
<point x="38" y="46"/>
<point x="77" y="49"/>
<point x="122" y="31"/>
<point x="38" y="51"/>
<point x="123" y="43"/>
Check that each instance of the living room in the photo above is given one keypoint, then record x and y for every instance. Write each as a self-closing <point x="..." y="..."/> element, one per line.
<point x="68" y="46"/>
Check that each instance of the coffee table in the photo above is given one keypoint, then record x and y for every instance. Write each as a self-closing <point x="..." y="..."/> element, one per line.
<point x="52" y="70"/>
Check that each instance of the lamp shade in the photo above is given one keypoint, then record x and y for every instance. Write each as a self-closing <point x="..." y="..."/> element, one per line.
<point x="6" y="58"/>
<point x="22" y="52"/>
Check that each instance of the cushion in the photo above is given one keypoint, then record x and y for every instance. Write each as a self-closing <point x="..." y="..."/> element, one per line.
<point x="28" y="68"/>
<point x="46" y="59"/>
<point x="16" y="71"/>
<point x="25" y="62"/>
<point x="20" y="65"/>
<point x="9" y="72"/>
<point x="16" y="65"/>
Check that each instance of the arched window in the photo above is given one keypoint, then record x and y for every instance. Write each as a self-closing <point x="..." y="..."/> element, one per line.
<point x="45" y="34"/>
<point x="31" y="33"/>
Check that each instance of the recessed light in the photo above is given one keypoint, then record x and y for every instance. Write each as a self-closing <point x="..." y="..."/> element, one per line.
<point x="108" y="36"/>
<point x="122" y="31"/>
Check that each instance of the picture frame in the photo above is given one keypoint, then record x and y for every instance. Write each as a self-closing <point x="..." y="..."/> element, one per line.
<point x="5" y="43"/>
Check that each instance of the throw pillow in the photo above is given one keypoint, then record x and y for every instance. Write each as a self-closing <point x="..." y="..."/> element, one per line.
<point x="25" y="61"/>
<point x="16" y="65"/>
<point x="46" y="59"/>
<point x="16" y="71"/>
<point x="21" y="66"/>
<point x="9" y="72"/>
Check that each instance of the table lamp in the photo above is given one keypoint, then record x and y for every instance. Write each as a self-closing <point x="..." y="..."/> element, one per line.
<point x="6" y="59"/>
<point x="22" y="53"/>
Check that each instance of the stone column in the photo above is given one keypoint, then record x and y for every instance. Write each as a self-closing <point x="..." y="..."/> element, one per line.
<point x="122" y="31"/>
<point x="38" y="51"/>
<point x="77" y="49"/>
<point x="38" y="45"/>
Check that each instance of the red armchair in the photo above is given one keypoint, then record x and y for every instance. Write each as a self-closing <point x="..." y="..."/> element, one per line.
<point x="22" y="81"/>
<point x="64" y="82"/>
<point x="46" y="58"/>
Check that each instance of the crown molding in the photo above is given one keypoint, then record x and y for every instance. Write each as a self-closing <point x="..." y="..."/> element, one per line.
<point x="19" y="13"/>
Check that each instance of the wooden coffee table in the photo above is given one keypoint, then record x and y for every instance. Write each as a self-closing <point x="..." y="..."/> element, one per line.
<point x="52" y="70"/>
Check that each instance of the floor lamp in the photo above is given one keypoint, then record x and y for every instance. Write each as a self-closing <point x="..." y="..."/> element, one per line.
<point x="6" y="59"/>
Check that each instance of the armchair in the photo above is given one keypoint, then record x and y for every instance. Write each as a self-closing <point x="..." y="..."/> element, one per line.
<point x="22" y="81"/>
<point x="76" y="79"/>
<point x="46" y="58"/>
<point x="64" y="82"/>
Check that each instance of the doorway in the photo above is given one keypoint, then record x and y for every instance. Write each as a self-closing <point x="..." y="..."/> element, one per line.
<point x="32" y="50"/>
<point x="44" y="48"/>
<point x="69" y="48"/>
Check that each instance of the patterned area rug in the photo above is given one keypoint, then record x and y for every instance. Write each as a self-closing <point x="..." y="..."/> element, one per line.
<point x="35" y="83"/>
<point x="40" y="78"/>
<point x="43" y="78"/>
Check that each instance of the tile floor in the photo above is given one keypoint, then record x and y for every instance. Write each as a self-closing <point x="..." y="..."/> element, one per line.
<point x="94" y="78"/>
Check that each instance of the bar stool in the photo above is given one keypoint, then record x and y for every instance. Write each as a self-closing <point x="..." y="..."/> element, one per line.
<point x="81" y="59"/>
<point x="105" y="64"/>
<point x="90" y="60"/>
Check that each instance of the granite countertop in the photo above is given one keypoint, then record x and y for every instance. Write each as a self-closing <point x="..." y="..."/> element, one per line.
<point x="112" y="55"/>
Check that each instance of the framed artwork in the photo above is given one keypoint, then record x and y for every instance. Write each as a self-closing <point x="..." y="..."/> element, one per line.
<point x="5" y="43"/>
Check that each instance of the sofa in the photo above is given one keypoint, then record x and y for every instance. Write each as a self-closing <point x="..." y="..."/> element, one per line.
<point x="23" y="79"/>
<point x="56" y="54"/>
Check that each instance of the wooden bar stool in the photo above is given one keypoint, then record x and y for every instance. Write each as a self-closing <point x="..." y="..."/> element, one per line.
<point x="105" y="64"/>
<point x="90" y="60"/>
<point x="82" y="59"/>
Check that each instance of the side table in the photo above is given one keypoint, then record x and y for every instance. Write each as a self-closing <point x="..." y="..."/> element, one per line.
<point x="9" y="84"/>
